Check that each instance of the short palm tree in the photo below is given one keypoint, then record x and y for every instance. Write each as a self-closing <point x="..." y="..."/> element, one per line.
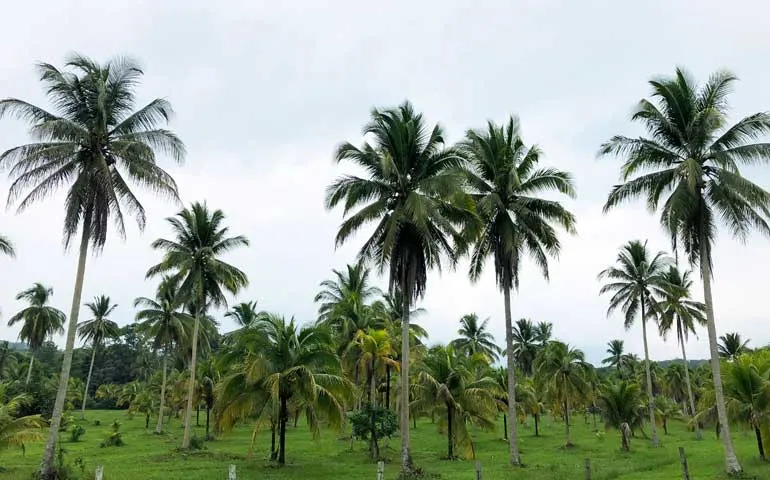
<point x="731" y="346"/>
<point x="95" y="331"/>
<point x="747" y="391"/>
<point x="166" y="325"/>
<point x="410" y="192"/>
<point x="677" y="311"/>
<point x="15" y="430"/>
<point x="193" y="257"/>
<point x="525" y="345"/>
<point x="633" y="282"/>
<point x="666" y="409"/>
<point x="475" y="338"/>
<point x="39" y="320"/>
<point x="615" y="350"/>
<point x="6" y="246"/>
<point x="244" y="313"/>
<point x="95" y="142"/>
<point x="689" y="166"/>
<point x="504" y="180"/>
<point x="622" y="405"/>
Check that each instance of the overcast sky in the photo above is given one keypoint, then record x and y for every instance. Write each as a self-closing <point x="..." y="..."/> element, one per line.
<point x="265" y="91"/>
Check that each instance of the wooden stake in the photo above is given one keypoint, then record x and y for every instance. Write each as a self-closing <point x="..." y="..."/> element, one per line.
<point x="380" y="470"/>
<point x="683" y="459"/>
<point x="478" y="470"/>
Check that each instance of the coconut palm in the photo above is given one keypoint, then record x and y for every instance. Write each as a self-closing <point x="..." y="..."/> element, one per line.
<point x="15" y="430"/>
<point x="164" y="322"/>
<point x="731" y="346"/>
<point x="244" y="313"/>
<point x="286" y="363"/>
<point x="39" y="320"/>
<point x="475" y="338"/>
<point x="95" y="331"/>
<point x="543" y="332"/>
<point x="6" y="246"/>
<point x="505" y="183"/>
<point x="747" y="391"/>
<point x="525" y="344"/>
<point x="615" y="350"/>
<point x="622" y="405"/>
<point x="633" y="283"/>
<point x="666" y="409"/>
<point x="343" y="299"/>
<point x="677" y="311"/>
<point x="95" y="142"/>
<point x="410" y="191"/>
<point x="193" y="257"/>
<point x="689" y="166"/>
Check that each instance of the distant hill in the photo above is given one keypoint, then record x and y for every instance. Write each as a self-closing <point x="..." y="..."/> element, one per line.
<point x="17" y="346"/>
<point x="692" y="363"/>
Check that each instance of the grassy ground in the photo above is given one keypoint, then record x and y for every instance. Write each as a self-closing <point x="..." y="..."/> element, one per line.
<point x="147" y="456"/>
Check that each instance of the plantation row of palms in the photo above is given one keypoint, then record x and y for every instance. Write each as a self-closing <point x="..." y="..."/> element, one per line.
<point x="431" y="204"/>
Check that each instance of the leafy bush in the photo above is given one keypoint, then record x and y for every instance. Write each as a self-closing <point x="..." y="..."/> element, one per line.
<point x="196" y="443"/>
<point x="97" y="423"/>
<point x="385" y="422"/>
<point x="66" y="422"/>
<point x="76" y="432"/>
<point x="115" y="438"/>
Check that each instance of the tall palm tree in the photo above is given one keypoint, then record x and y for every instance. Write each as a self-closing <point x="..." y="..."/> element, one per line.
<point x="95" y="142"/>
<point x="633" y="283"/>
<point x="193" y="257"/>
<point x="731" y="346"/>
<point x="677" y="311"/>
<point x="163" y="320"/>
<point x="244" y="313"/>
<point x="6" y="246"/>
<point x="505" y="183"/>
<point x="615" y="350"/>
<point x="39" y="320"/>
<point x="344" y="298"/>
<point x="96" y="330"/>
<point x="525" y="344"/>
<point x="475" y="338"/>
<point x="543" y="332"/>
<point x="410" y="191"/>
<point x="689" y="166"/>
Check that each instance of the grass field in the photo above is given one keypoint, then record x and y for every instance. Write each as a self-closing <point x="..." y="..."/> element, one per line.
<point x="147" y="456"/>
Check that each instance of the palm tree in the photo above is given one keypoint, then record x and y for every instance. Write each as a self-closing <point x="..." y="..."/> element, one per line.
<point x="284" y="363"/>
<point x="747" y="391"/>
<point x="446" y="385"/>
<point x="193" y="258"/>
<point x="344" y="298"/>
<point x="15" y="430"/>
<point x="410" y="191"/>
<point x="666" y="408"/>
<point x="692" y="157"/>
<point x="505" y="184"/>
<point x="525" y="344"/>
<point x="96" y="330"/>
<point x="637" y="277"/>
<point x="615" y="350"/>
<point x="8" y="360"/>
<point x="678" y="311"/>
<point x="6" y="246"/>
<point x="543" y="332"/>
<point x="244" y="313"/>
<point x="731" y="346"/>
<point x="40" y="320"/>
<point x="563" y="372"/>
<point x="622" y="406"/>
<point x="167" y="325"/>
<point x="95" y="142"/>
<point x="474" y="338"/>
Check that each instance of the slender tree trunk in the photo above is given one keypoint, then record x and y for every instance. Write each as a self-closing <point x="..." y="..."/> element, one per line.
<point x="387" y="387"/>
<point x="47" y="468"/>
<point x="191" y="382"/>
<point x="296" y="417"/>
<point x="159" y="426"/>
<point x="698" y="433"/>
<point x="406" y="454"/>
<point x="665" y="426"/>
<point x="147" y="420"/>
<point x="537" y="422"/>
<point x="273" y="452"/>
<point x="373" y="433"/>
<point x="731" y="461"/>
<point x="208" y="411"/>
<point x="88" y="382"/>
<point x="283" y="418"/>
<point x="198" y="415"/>
<point x="761" y="447"/>
<point x="513" y="436"/>
<point x="450" y="440"/>
<point x="505" y="427"/>
<point x="29" y="370"/>
<point x="650" y="396"/>
<point x="593" y="411"/>
<point x="568" y="443"/>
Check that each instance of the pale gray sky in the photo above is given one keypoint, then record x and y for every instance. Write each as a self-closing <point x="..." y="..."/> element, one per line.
<point x="264" y="91"/>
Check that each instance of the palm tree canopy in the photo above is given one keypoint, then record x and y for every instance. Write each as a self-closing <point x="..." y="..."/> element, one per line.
<point x="99" y="327"/>
<point x="244" y="313"/>
<point x="525" y="344"/>
<point x="731" y="345"/>
<point x="15" y="430"/>
<point x="162" y="318"/>
<point x="505" y="182"/>
<point x="6" y="246"/>
<point x="690" y="163"/>
<point x="636" y="278"/>
<point x="95" y="142"/>
<point x="410" y="191"/>
<point x="621" y="402"/>
<point x="563" y="370"/>
<point x="475" y="338"/>
<point x="615" y="349"/>
<point x="676" y="309"/>
<point x="40" y="320"/>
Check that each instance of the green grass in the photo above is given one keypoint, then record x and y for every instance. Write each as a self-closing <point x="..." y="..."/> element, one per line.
<point x="147" y="456"/>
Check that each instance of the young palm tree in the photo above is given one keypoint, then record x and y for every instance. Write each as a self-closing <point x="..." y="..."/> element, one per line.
<point x="15" y="430"/>
<point x="747" y="391"/>
<point x="666" y="409"/>
<point x="40" y="320"/>
<point x="635" y="280"/>
<point x="244" y="313"/>
<point x="193" y="257"/>
<point x="410" y="191"/>
<point x="731" y="346"/>
<point x="344" y="298"/>
<point x="678" y="311"/>
<point x="505" y="182"/>
<point x="96" y="143"/>
<point x="163" y="321"/>
<point x="692" y="158"/>
<point x="6" y="246"/>
<point x="525" y="344"/>
<point x="615" y="350"/>
<point x="97" y="330"/>
<point x="474" y="338"/>
<point x="621" y="404"/>
<point x="543" y="333"/>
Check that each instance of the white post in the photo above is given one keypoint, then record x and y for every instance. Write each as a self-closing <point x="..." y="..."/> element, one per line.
<point x="380" y="470"/>
<point x="99" y="472"/>
<point x="231" y="476"/>
<point x="478" y="470"/>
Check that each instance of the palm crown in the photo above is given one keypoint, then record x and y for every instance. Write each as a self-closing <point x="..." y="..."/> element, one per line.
<point x="99" y="327"/>
<point x="40" y="320"/>
<point x="475" y="338"/>
<point x="676" y="309"/>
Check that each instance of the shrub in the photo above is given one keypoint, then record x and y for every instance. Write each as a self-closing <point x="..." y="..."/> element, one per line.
<point x="115" y="438"/>
<point x="196" y="443"/>
<point x="76" y="432"/>
<point x="97" y="423"/>
<point x="385" y="422"/>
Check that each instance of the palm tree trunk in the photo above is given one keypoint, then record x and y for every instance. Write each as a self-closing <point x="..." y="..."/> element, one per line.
<point x="198" y="415"/>
<point x="568" y="442"/>
<point x="88" y="382"/>
<point x="449" y="442"/>
<point x="537" y="421"/>
<point x="406" y="455"/>
<point x="698" y="433"/>
<point x="208" y="410"/>
<point x="373" y="425"/>
<point x="47" y="467"/>
<point x="651" y="398"/>
<point x="505" y="426"/>
<point x="387" y="387"/>
<point x="731" y="461"/>
<point x="761" y="447"/>
<point x="191" y="382"/>
<point x="273" y="452"/>
<point x="283" y="416"/>
<point x="159" y="426"/>
<point x="513" y="436"/>
<point x="29" y="370"/>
